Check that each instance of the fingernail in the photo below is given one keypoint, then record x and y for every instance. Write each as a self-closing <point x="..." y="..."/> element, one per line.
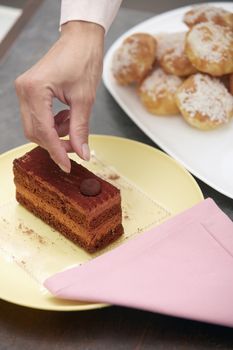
<point x="64" y="168"/>
<point x="85" y="151"/>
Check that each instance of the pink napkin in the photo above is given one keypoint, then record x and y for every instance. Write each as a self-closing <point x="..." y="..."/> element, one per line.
<point x="184" y="267"/>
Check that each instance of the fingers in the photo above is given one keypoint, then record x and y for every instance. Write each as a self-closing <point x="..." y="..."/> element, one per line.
<point x="62" y="122"/>
<point x="79" y="128"/>
<point x="38" y="120"/>
<point x="62" y="126"/>
<point x="62" y="116"/>
<point x="46" y="134"/>
<point x="67" y="145"/>
<point x="24" y="112"/>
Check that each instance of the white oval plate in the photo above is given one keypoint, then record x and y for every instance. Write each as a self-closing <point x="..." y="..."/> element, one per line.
<point x="208" y="155"/>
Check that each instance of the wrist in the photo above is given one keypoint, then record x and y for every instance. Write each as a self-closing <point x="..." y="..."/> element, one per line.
<point x="77" y="27"/>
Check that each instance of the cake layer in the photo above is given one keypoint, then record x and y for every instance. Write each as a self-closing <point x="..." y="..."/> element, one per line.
<point x="91" y="241"/>
<point x="57" y="200"/>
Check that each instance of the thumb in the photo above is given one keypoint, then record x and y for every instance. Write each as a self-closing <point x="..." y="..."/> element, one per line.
<point x="79" y="129"/>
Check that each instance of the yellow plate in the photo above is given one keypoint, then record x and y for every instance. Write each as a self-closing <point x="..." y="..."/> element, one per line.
<point x="153" y="186"/>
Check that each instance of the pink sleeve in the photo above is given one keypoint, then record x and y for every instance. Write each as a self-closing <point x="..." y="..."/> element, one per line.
<point x="102" y="12"/>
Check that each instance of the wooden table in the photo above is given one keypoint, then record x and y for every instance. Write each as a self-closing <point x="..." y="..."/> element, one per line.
<point x="113" y="327"/>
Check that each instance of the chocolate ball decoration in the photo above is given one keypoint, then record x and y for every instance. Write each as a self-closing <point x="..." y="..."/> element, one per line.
<point x="90" y="187"/>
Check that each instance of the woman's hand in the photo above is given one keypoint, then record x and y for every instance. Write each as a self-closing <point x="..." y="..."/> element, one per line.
<point x="70" y="71"/>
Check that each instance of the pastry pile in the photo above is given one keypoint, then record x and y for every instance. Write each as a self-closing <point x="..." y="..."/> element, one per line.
<point x="188" y="73"/>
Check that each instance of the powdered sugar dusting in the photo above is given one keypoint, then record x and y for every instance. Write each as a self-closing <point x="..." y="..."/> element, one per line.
<point x="209" y="97"/>
<point x="158" y="84"/>
<point x="210" y="41"/>
<point x="210" y="13"/>
<point x="170" y="42"/>
<point x="125" y="55"/>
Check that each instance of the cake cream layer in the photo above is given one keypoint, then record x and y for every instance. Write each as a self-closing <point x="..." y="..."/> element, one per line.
<point x="91" y="239"/>
<point x="48" y="194"/>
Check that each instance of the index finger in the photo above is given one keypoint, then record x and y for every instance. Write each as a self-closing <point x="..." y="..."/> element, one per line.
<point x="44" y="131"/>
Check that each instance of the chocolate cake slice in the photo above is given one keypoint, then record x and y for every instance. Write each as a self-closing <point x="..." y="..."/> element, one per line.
<point x="80" y="205"/>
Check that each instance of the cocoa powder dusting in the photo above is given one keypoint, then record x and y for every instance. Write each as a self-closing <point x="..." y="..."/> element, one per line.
<point x="5" y="220"/>
<point x="28" y="231"/>
<point x="41" y="240"/>
<point x="113" y="177"/>
<point x="31" y="233"/>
